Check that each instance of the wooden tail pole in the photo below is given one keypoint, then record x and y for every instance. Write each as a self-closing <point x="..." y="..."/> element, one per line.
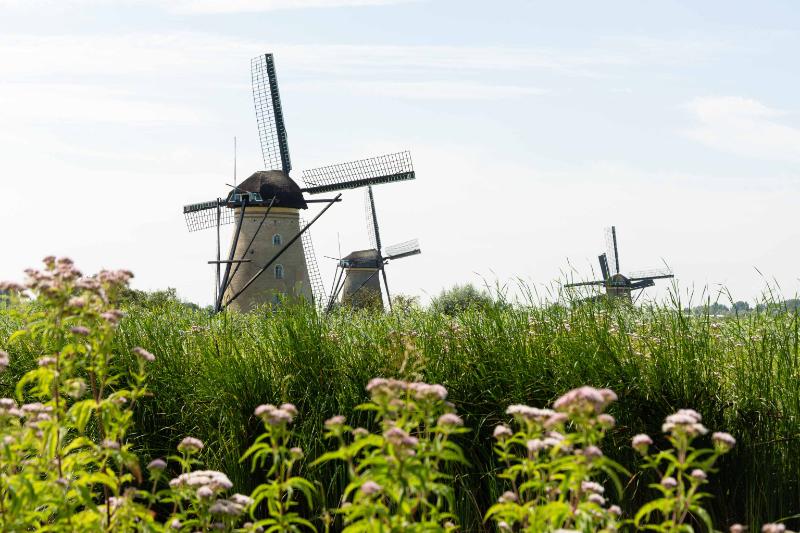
<point x="224" y="284"/>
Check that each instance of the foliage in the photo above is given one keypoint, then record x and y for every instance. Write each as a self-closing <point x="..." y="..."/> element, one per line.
<point x="460" y="298"/>
<point x="552" y="463"/>
<point x="740" y="371"/>
<point x="395" y="477"/>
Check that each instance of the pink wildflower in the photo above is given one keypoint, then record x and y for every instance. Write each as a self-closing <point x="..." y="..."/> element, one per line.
<point x="450" y="419"/>
<point x="190" y="445"/>
<point x="144" y="354"/>
<point x="502" y="432"/>
<point x="368" y="488"/>
<point x="642" y="442"/>
<point x="723" y="441"/>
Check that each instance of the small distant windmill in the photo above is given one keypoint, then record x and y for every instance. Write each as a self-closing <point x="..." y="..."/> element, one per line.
<point x="616" y="284"/>
<point x="361" y="286"/>
<point x="270" y="251"/>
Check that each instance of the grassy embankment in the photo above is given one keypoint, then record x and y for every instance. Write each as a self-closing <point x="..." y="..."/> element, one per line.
<point x="741" y="373"/>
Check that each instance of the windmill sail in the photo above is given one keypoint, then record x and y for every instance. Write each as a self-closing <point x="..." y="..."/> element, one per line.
<point x="372" y="220"/>
<point x="314" y="277"/>
<point x="611" y="250"/>
<point x="373" y="171"/>
<point x="403" y="249"/>
<point x="653" y="273"/>
<point x="204" y="215"/>
<point x="269" y="115"/>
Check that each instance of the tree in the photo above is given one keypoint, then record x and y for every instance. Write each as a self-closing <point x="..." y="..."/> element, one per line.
<point x="459" y="298"/>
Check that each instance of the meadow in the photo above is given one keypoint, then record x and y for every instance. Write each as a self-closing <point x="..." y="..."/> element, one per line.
<point x="741" y="372"/>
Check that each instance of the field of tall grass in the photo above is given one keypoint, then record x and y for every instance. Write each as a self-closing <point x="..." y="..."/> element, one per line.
<point x="741" y="372"/>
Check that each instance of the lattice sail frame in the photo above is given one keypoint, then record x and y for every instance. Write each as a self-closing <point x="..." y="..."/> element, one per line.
<point x="269" y="114"/>
<point x="204" y="215"/>
<point x="353" y="174"/>
<point x="402" y="249"/>
<point x="314" y="277"/>
<point x="651" y="273"/>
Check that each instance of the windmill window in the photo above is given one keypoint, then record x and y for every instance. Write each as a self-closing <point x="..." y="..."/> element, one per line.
<point x="277" y="240"/>
<point x="278" y="271"/>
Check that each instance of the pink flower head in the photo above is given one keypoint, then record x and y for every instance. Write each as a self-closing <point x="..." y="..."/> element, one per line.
<point x="426" y="392"/>
<point x="592" y="452"/>
<point x="642" y="442"/>
<point x="723" y="441"/>
<point x="773" y="528"/>
<point x="669" y="482"/>
<point x="596" y="499"/>
<point x="368" y="488"/>
<point x="533" y="414"/>
<point x="698" y="475"/>
<point x="450" y="419"/>
<point x="289" y="408"/>
<point x="144" y="354"/>
<point x="584" y="400"/>
<point x="157" y="464"/>
<point x="80" y="330"/>
<point x="335" y="422"/>
<point x="502" y="431"/>
<point x="190" y="445"/>
<point x="684" y="422"/>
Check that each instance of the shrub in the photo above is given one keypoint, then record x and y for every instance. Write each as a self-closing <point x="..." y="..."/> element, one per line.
<point x="459" y="298"/>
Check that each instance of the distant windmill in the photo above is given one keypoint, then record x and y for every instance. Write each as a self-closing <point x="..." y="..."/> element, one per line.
<point x="361" y="285"/>
<point x="616" y="284"/>
<point x="270" y="251"/>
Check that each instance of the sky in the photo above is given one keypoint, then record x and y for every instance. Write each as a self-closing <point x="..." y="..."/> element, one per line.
<point x="532" y="126"/>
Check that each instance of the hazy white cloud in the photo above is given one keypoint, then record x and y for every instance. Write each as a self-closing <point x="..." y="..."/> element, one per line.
<point x="199" y="6"/>
<point x="239" y="6"/>
<point x="744" y="126"/>
<point x="53" y="102"/>
<point x="433" y="90"/>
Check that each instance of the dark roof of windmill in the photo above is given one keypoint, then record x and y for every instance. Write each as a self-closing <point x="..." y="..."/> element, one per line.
<point x="362" y="259"/>
<point x="274" y="182"/>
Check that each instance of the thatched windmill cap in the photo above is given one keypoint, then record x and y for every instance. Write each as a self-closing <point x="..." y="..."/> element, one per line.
<point x="362" y="259"/>
<point x="274" y="182"/>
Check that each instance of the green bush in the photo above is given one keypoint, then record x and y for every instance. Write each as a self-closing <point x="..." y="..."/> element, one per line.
<point x="460" y="298"/>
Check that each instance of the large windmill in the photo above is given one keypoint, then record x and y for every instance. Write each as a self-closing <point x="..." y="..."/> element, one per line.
<point x="616" y="284"/>
<point x="271" y="255"/>
<point x="356" y="275"/>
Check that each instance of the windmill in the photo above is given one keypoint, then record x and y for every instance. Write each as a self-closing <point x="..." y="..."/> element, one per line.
<point x="271" y="254"/>
<point x="616" y="284"/>
<point x="361" y="285"/>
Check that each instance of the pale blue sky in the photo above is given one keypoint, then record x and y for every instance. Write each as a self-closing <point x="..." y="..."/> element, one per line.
<point x="532" y="126"/>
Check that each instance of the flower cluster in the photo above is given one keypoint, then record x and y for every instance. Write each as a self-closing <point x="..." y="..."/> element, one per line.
<point x="551" y="462"/>
<point x="682" y="471"/>
<point x="403" y="461"/>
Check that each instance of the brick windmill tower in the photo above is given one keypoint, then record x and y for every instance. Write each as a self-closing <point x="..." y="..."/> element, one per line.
<point x="271" y="255"/>
<point x="361" y="287"/>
